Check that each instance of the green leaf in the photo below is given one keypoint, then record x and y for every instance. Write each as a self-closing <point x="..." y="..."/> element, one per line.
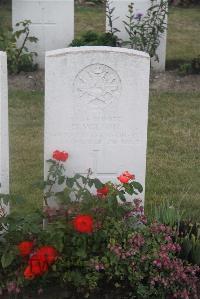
<point x="61" y="180"/>
<point x="70" y="182"/>
<point x="122" y="196"/>
<point x="90" y="183"/>
<point x="77" y="176"/>
<point x="7" y="259"/>
<point x="98" y="184"/>
<point x="128" y="188"/>
<point x="84" y="180"/>
<point x="137" y="186"/>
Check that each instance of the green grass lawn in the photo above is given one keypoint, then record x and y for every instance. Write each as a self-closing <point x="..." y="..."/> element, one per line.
<point x="173" y="150"/>
<point x="26" y="145"/>
<point x="183" y="42"/>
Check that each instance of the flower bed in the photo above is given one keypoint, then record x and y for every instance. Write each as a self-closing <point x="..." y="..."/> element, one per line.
<point x="95" y="244"/>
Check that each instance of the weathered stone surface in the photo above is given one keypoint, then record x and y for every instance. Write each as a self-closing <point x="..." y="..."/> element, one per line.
<point x="52" y="23"/>
<point x="96" y="109"/>
<point x="4" y="144"/>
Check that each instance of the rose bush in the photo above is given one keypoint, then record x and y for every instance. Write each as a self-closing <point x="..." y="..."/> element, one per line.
<point x="92" y="242"/>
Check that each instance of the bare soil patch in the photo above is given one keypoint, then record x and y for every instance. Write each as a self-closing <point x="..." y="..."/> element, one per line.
<point x="31" y="81"/>
<point x="172" y="81"/>
<point x="167" y="81"/>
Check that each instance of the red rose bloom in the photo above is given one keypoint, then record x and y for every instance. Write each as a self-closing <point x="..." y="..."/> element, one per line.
<point x="102" y="191"/>
<point x="125" y="177"/>
<point x="25" y="248"/>
<point x="40" y="261"/>
<point x="83" y="223"/>
<point x="47" y="254"/>
<point x="128" y="175"/>
<point x="35" y="267"/>
<point x="28" y="274"/>
<point x="60" y="156"/>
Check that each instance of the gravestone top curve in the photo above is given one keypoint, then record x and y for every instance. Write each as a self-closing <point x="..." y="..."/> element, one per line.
<point x="88" y="49"/>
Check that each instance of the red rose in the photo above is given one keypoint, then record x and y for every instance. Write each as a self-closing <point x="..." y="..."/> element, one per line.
<point x="129" y="175"/>
<point x="125" y="177"/>
<point x="47" y="254"/>
<point x="83" y="223"/>
<point x="25" y="248"/>
<point x="35" y="267"/>
<point x="28" y="274"/>
<point x="40" y="261"/>
<point x="102" y="191"/>
<point x="60" y="156"/>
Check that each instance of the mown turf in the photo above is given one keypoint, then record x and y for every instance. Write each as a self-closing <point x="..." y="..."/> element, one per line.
<point x="173" y="150"/>
<point x="26" y="145"/>
<point x="5" y="16"/>
<point x="89" y="18"/>
<point x="183" y="42"/>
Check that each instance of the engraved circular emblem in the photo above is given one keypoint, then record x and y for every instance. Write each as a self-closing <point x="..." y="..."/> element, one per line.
<point x="97" y="85"/>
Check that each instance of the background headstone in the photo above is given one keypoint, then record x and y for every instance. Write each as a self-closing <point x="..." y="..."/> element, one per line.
<point x="140" y="6"/>
<point x="96" y="109"/>
<point x="4" y="144"/>
<point x="52" y="23"/>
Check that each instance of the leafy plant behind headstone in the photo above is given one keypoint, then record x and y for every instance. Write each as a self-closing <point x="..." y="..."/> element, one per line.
<point x="19" y="58"/>
<point x="145" y="31"/>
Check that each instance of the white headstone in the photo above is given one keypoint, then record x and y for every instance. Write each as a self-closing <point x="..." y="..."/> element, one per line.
<point x="96" y="109"/>
<point x="52" y="23"/>
<point x="140" y="6"/>
<point x="4" y="146"/>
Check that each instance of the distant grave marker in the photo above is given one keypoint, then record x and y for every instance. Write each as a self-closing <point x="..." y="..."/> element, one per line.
<point x="52" y="23"/>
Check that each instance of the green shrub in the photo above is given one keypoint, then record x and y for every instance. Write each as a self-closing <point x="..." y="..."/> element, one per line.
<point x="91" y="38"/>
<point x="19" y="58"/>
<point x="190" y="68"/>
<point x="145" y="31"/>
<point x="189" y="239"/>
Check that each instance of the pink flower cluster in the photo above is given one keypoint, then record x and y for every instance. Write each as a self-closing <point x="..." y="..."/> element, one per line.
<point x="137" y="211"/>
<point x="13" y="288"/>
<point x="179" y="275"/>
<point x="164" y="261"/>
<point x="136" y="241"/>
<point x="157" y="228"/>
<point x="98" y="266"/>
